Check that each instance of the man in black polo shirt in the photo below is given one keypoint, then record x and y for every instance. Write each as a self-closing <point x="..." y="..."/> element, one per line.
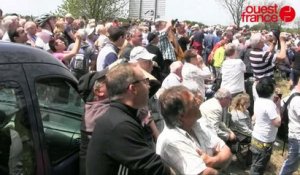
<point x="118" y="144"/>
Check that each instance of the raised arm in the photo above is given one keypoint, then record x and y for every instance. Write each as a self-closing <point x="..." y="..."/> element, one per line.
<point x="69" y="55"/>
<point x="282" y="39"/>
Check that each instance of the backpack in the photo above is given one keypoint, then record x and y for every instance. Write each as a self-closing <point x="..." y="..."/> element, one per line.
<point x="79" y="64"/>
<point x="283" y="129"/>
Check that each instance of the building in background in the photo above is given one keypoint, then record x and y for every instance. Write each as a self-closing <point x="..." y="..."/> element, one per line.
<point x="147" y="9"/>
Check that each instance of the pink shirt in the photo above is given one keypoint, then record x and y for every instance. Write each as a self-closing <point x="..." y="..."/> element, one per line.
<point x="58" y="55"/>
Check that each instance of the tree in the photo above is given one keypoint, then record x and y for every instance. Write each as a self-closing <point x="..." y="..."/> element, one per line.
<point x="235" y="8"/>
<point x="279" y="23"/>
<point x="97" y="9"/>
<point x="297" y="22"/>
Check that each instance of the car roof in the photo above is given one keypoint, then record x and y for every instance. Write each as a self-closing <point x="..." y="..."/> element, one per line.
<point x="11" y="53"/>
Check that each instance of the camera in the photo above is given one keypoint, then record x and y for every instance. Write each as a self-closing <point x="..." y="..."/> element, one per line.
<point x="175" y="22"/>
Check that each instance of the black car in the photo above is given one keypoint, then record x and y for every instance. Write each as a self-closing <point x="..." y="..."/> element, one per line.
<point x="40" y="113"/>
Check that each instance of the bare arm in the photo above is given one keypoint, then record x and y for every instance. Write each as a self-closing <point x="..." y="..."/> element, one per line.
<point x="167" y="27"/>
<point x="277" y="121"/>
<point x="155" y="131"/>
<point x="282" y="53"/>
<point x="220" y="160"/>
<point x="209" y="171"/>
<point x="69" y="55"/>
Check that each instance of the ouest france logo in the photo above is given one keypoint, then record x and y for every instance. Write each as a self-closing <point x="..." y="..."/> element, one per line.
<point x="270" y="13"/>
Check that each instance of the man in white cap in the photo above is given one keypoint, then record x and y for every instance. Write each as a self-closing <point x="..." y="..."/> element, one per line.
<point x="164" y="44"/>
<point x="142" y="57"/>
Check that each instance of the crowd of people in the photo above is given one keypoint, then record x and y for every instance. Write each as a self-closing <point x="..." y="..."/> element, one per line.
<point x="168" y="97"/>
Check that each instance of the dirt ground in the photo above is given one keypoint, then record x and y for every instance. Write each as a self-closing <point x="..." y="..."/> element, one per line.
<point x="238" y="168"/>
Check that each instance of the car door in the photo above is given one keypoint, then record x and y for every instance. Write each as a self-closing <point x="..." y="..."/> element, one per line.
<point x="19" y="144"/>
<point x="59" y="110"/>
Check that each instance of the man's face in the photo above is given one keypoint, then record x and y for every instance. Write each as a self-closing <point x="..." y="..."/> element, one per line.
<point x="31" y="29"/>
<point x="69" y="20"/>
<point x="197" y="60"/>
<point x="261" y="43"/>
<point x="192" y="112"/>
<point x="155" y="40"/>
<point x="225" y="102"/>
<point x="22" y="38"/>
<point x="160" y="25"/>
<point x="76" y="25"/>
<point x="147" y="65"/>
<point x="120" y="41"/>
<point x="137" y="38"/>
<point x="141" y="87"/>
<point x="101" y="90"/>
<point x="52" y="22"/>
<point x="229" y="36"/>
<point x="15" y="23"/>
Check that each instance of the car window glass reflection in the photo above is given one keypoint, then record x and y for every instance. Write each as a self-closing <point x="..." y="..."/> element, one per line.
<point x="61" y="110"/>
<point x="16" y="148"/>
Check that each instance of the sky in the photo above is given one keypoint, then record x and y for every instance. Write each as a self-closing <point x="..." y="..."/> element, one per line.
<point x="208" y="12"/>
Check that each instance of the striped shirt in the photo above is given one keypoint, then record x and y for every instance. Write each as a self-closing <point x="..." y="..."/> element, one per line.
<point x="262" y="63"/>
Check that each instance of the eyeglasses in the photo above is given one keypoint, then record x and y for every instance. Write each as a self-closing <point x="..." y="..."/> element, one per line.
<point x="145" y="80"/>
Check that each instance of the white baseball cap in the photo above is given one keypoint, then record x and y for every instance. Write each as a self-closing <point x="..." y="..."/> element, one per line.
<point x="140" y="52"/>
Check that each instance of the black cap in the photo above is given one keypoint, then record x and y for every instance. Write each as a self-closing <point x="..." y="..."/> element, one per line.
<point x="151" y="36"/>
<point x="87" y="81"/>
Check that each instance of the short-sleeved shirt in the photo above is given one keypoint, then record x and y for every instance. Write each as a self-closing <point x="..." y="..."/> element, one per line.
<point x="265" y="112"/>
<point x="171" y="80"/>
<point x="294" y="119"/>
<point x="233" y="81"/>
<point x="178" y="149"/>
<point x="58" y="55"/>
<point x="262" y="63"/>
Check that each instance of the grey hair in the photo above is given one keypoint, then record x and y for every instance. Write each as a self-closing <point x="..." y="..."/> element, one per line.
<point x="175" y="66"/>
<point x="134" y="30"/>
<point x="237" y="36"/>
<point x="98" y="83"/>
<point x="229" y="49"/>
<point x="29" y="24"/>
<point x="255" y="39"/>
<point x="222" y="93"/>
<point x="118" y="78"/>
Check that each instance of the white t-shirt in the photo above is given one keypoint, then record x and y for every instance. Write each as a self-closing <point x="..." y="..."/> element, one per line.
<point x="233" y="75"/>
<point x="294" y="119"/>
<point x="265" y="112"/>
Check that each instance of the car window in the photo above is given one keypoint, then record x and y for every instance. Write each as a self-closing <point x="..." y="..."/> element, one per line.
<point x="61" y="110"/>
<point x="16" y="144"/>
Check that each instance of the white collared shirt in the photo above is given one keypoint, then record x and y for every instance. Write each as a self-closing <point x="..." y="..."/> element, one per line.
<point x="171" y="80"/>
<point x="192" y="74"/>
<point x="178" y="149"/>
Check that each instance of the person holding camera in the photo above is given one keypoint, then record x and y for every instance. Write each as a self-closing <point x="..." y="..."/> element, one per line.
<point x="263" y="62"/>
<point x="163" y="28"/>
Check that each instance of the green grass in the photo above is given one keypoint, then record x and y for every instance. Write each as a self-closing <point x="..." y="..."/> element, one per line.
<point x="277" y="158"/>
